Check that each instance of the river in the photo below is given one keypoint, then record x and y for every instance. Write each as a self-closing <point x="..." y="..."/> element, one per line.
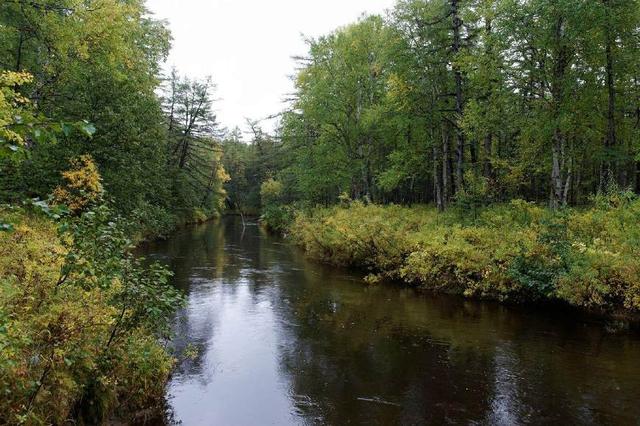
<point x="270" y="338"/>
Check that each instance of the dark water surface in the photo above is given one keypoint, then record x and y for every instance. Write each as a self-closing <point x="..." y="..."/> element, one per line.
<point x="270" y="338"/>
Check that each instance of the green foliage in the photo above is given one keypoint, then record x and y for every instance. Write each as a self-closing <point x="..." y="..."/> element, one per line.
<point x="541" y="267"/>
<point x="249" y="165"/>
<point x="79" y="320"/>
<point x="475" y="195"/>
<point x="276" y="216"/>
<point x="86" y="82"/>
<point x="271" y="192"/>
<point x="340" y="117"/>
<point x="195" y="156"/>
<point x="517" y="251"/>
<point x="21" y="123"/>
<point x="468" y="102"/>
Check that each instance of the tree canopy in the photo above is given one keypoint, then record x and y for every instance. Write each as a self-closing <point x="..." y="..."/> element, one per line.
<point x="442" y="101"/>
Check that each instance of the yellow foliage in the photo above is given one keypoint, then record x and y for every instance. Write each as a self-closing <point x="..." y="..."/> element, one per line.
<point x="398" y="92"/>
<point x="519" y="251"/>
<point x="83" y="185"/>
<point x="270" y="191"/>
<point x="53" y="336"/>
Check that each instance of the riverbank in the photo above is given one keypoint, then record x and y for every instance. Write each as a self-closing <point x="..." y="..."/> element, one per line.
<point x="81" y="320"/>
<point x="330" y="350"/>
<point x="518" y="252"/>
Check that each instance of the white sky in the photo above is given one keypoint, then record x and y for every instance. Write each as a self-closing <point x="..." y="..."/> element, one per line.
<point x="246" y="45"/>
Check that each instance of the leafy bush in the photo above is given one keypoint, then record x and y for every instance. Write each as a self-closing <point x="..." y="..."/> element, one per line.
<point x="517" y="251"/>
<point x="80" y="319"/>
<point x="276" y="216"/>
<point x="83" y="185"/>
<point x="473" y="196"/>
<point x="151" y="220"/>
<point x="540" y="267"/>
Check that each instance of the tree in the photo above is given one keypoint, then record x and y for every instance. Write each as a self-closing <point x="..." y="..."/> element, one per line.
<point x="194" y="153"/>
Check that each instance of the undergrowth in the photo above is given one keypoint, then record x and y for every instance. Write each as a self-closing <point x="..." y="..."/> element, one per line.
<point x="518" y="251"/>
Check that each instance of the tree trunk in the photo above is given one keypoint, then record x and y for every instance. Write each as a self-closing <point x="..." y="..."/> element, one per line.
<point x="473" y="152"/>
<point x="455" y="49"/>
<point x="488" y="142"/>
<point x="488" y="139"/>
<point x="556" y="170"/>
<point x="19" y="53"/>
<point x="608" y="168"/>
<point x="446" y="167"/>
<point x="437" y="176"/>
<point x="560" y="180"/>
<point x="183" y="153"/>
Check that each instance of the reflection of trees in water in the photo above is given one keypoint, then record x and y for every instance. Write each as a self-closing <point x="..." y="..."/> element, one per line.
<point x="350" y="357"/>
<point x="208" y="261"/>
<point x="413" y="360"/>
<point x="198" y="260"/>
<point x="382" y="355"/>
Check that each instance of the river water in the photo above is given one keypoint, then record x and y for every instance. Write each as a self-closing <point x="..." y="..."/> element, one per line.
<point x="270" y="338"/>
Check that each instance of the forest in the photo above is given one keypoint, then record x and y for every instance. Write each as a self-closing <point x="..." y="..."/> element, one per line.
<point x="99" y="149"/>
<point x="438" y="101"/>
<point x="489" y="148"/>
<point x="484" y="148"/>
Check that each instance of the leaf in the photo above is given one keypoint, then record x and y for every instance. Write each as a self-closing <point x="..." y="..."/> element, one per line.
<point x="66" y="129"/>
<point x="38" y="135"/>
<point x="6" y="227"/>
<point x="88" y="129"/>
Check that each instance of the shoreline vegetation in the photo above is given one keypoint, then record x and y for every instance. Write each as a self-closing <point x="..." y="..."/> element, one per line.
<point x="468" y="107"/>
<point x="465" y="106"/>
<point x="83" y="321"/>
<point x="517" y="252"/>
<point x="99" y="150"/>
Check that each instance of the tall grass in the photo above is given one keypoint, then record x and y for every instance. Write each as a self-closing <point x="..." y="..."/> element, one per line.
<point x="517" y="251"/>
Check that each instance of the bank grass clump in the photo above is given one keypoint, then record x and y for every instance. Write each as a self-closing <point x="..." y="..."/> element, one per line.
<point x="517" y="251"/>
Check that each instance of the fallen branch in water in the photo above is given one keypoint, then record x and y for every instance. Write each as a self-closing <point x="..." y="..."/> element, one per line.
<point x="379" y="401"/>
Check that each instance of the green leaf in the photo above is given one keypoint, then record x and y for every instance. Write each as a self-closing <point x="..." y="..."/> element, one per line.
<point x="38" y="135"/>
<point x="66" y="129"/>
<point x="88" y="129"/>
<point x="6" y="227"/>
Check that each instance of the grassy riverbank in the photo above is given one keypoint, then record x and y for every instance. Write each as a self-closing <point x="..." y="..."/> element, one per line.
<point x="519" y="251"/>
<point x="81" y="320"/>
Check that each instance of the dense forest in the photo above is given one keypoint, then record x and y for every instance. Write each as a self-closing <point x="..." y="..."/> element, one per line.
<point x="98" y="150"/>
<point x="517" y="122"/>
<point x="489" y="148"/>
<point x="535" y="99"/>
<point x="80" y="78"/>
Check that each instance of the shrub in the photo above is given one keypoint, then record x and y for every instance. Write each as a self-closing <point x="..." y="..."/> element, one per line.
<point x="276" y="216"/>
<point x="79" y="320"/>
<point x="517" y="251"/>
<point x="83" y="185"/>
<point x="151" y="220"/>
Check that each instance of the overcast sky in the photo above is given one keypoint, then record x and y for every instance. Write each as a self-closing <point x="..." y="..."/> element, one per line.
<point x="247" y="45"/>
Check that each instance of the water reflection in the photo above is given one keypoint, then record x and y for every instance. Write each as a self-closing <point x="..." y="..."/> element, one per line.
<point x="268" y="337"/>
